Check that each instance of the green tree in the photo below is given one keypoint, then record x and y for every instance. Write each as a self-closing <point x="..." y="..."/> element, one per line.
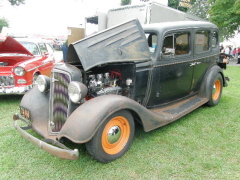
<point x="174" y="4"/>
<point x="125" y="2"/>
<point x="200" y="8"/>
<point x="16" y="2"/>
<point x="226" y="15"/>
<point x="3" y="23"/>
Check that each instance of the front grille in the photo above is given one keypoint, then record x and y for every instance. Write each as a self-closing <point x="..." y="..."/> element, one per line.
<point x="60" y="100"/>
<point x="6" y="81"/>
<point x="3" y="64"/>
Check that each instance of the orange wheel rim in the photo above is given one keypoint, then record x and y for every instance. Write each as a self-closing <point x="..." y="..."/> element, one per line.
<point x="115" y="135"/>
<point x="216" y="90"/>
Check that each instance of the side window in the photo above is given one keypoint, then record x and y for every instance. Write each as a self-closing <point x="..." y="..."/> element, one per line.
<point x="31" y="47"/>
<point x="42" y="47"/>
<point x="176" y="44"/>
<point x="50" y="49"/>
<point x="152" y="41"/>
<point x="202" y="41"/>
<point x="215" y="39"/>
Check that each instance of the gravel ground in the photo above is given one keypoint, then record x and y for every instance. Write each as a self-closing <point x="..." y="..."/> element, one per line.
<point x="233" y="62"/>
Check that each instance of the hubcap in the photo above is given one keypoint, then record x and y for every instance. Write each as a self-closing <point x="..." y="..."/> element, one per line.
<point x="115" y="135"/>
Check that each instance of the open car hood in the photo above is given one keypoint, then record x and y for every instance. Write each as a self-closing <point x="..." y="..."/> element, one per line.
<point x="122" y="43"/>
<point x="10" y="45"/>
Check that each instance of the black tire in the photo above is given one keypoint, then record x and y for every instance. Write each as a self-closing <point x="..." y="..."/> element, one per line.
<point x="215" y="90"/>
<point x="121" y="125"/>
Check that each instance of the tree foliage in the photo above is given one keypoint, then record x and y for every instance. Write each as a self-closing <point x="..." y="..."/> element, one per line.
<point x="128" y="2"/>
<point x="174" y="4"/>
<point x="16" y="2"/>
<point x="200" y="8"/>
<point x="3" y="23"/>
<point x="226" y="15"/>
<point x="125" y="2"/>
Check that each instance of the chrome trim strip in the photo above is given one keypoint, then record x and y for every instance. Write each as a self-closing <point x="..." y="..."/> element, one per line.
<point x="172" y="63"/>
<point x="15" y="90"/>
<point x="38" y="66"/>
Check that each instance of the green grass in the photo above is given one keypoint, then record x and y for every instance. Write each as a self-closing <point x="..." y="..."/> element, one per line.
<point x="205" y="144"/>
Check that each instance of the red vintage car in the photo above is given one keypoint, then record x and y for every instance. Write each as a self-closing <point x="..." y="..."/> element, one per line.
<point x="21" y="61"/>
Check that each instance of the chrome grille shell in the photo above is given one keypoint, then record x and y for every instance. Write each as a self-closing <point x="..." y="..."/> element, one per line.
<point x="59" y="101"/>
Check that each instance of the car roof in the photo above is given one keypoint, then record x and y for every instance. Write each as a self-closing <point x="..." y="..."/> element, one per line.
<point x="178" y="25"/>
<point x="34" y="40"/>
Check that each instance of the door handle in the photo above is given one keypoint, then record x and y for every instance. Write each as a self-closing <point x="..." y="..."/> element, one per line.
<point x="192" y="64"/>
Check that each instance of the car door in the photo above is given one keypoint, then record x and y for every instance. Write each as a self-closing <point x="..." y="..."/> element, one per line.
<point x="206" y="52"/>
<point x="172" y="74"/>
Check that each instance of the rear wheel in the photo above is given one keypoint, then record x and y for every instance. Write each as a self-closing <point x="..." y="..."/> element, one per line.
<point x="113" y="138"/>
<point x="216" y="90"/>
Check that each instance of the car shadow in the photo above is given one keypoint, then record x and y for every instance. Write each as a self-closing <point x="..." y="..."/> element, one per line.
<point x="10" y="98"/>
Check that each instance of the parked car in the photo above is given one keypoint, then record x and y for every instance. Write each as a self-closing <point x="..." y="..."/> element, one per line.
<point x="22" y="60"/>
<point x="57" y="45"/>
<point x="121" y="76"/>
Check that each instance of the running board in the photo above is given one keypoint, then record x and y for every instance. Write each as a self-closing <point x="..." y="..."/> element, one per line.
<point x="179" y="109"/>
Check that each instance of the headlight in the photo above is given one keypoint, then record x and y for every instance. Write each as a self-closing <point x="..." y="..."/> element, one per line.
<point x="19" y="71"/>
<point x="43" y="83"/>
<point x="77" y="91"/>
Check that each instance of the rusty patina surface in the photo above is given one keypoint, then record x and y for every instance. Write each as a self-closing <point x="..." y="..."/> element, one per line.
<point x="56" y="148"/>
<point x="123" y="43"/>
<point x="113" y="74"/>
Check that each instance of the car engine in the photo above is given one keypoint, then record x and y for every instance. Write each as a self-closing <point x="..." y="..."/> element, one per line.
<point x="107" y="83"/>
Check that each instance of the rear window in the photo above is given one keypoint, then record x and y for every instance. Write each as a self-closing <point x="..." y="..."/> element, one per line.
<point x="202" y="41"/>
<point x="43" y="47"/>
<point x="215" y="39"/>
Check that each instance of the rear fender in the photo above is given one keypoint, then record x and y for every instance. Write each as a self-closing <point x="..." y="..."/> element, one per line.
<point x="83" y="123"/>
<point x="212" y="72"/>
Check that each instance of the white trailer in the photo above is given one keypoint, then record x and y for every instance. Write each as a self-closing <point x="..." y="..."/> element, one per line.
<point x="146" y="13"/>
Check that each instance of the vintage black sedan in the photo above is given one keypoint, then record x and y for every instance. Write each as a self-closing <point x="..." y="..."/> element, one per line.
<point x="126" y="74"/>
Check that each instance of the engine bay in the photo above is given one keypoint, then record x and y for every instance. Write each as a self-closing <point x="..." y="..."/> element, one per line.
<point x="112" y="79"/>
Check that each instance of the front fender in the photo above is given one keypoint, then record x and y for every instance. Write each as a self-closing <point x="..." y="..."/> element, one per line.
<point x="83" y="123"/>
<point x="38" y="105"/>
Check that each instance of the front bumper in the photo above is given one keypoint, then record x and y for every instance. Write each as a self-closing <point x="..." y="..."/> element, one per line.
<point x="14" y="90"/>
<point x="62" y="151"/>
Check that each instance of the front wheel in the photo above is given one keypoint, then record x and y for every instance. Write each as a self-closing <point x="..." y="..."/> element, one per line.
<point x="216" y="90"/>
<point x="113" y="138"/>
